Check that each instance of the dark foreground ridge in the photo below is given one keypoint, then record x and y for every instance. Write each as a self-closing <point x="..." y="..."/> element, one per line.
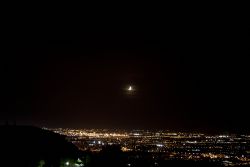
<point x="31" y="146"/>
<point x="27" y="146"/>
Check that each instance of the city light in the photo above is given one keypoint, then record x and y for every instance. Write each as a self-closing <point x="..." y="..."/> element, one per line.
<point x="177" y="145"/>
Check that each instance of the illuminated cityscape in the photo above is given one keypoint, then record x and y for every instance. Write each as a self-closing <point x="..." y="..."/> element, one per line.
<point x="230" y="150"/>
<point x="161" y="89"/>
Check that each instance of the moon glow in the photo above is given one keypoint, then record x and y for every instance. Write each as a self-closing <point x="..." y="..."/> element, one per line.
<point x="130" y="88"/>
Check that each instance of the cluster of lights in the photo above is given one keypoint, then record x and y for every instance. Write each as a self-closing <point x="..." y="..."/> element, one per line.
<point x="83" y="133"/>
<point x="178" y="145"/>
<point x="77" y="164"/>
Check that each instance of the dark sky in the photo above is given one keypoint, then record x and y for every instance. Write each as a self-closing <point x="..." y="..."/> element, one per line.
<point x="187" y="75"/>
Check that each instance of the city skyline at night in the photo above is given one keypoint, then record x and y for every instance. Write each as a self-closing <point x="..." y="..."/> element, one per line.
<point x="153" y="90"/>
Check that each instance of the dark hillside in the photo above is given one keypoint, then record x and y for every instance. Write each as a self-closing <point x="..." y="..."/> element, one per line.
<point x="29" y="146"/>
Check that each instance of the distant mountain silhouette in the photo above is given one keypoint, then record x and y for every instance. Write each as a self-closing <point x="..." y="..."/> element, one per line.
<point x="28" y="146"/>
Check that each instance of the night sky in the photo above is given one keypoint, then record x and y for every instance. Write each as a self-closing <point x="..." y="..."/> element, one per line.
<point x="186" y="76"/>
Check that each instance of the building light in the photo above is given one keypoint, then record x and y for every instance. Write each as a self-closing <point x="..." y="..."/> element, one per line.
<point x="136" y="134"/>
<point x="159" y="145"/>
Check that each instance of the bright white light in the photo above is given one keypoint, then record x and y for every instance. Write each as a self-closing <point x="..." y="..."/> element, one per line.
<point x="67" y="163"/>
<point x="130" y="88"/>
<point x="136" y="134"/>
<point x="159" y="145"/>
